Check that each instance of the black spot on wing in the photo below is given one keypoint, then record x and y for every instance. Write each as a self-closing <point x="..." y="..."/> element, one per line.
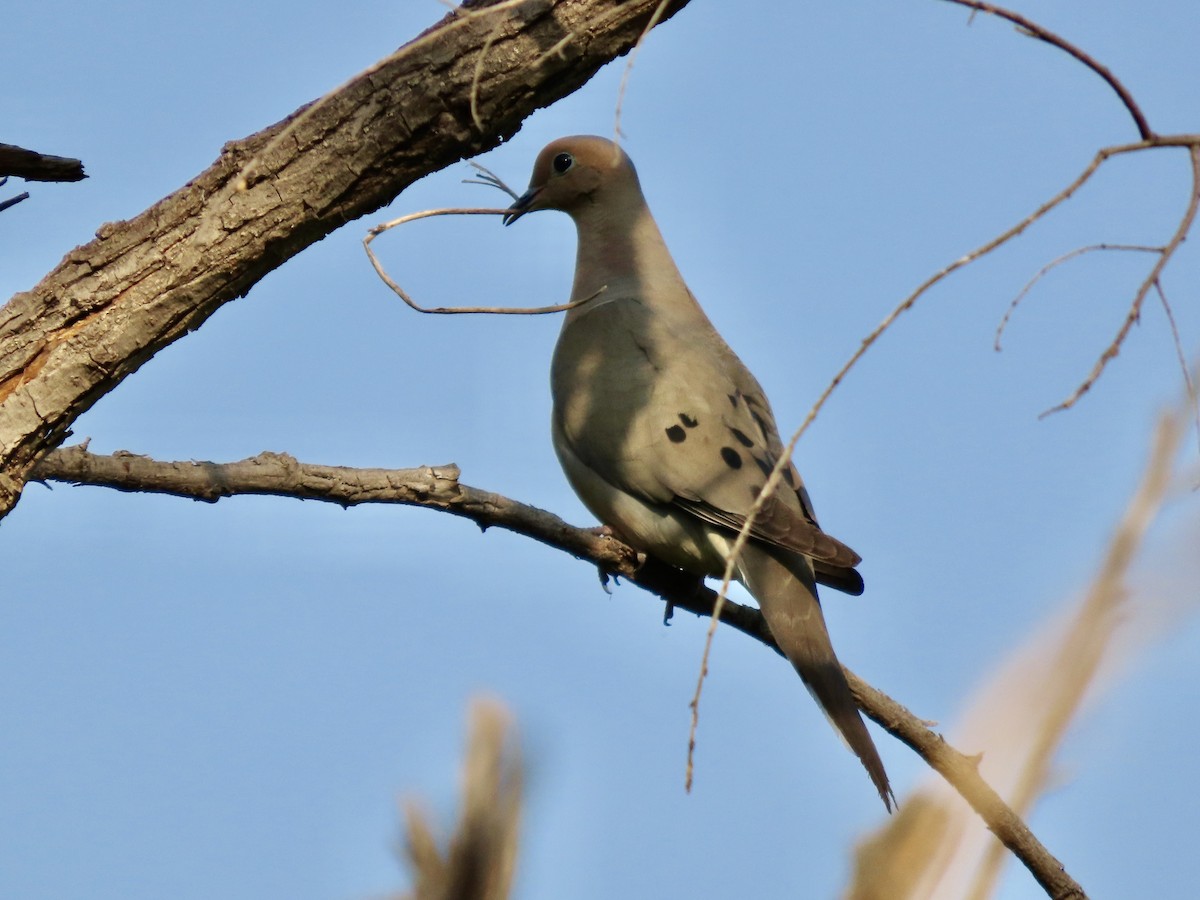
<point x="733" y="400"/>
<point x="732" y="458"/>
<point x="741" y="437"/>
<point x="764" y="465"/>
<point x="688" y="420"/>
<point x="760" y="421"/>
<point x="676" y="435"/>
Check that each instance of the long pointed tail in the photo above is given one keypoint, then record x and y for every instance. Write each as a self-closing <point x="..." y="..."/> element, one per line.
<point x="785" y="590"/>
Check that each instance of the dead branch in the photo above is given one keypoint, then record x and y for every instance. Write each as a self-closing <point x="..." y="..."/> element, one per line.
<point x="34" y="166"/>
<point x="14" y="200"/>
<point x="438" y="487"/>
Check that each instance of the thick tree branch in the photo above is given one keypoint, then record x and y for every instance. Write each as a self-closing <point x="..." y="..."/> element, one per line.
<point x="142" y="284"/>
<point x="438" y="487"/>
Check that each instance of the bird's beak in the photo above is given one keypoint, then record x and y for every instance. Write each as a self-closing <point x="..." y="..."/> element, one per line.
<point x="523" y="205"/>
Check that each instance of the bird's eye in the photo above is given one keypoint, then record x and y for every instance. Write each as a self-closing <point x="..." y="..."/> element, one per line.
<point x="562" y="162"/>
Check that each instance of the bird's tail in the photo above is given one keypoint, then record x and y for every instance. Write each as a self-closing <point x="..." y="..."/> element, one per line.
<point x="787" y="595"/>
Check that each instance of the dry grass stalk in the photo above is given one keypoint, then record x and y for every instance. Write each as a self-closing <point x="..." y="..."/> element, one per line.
<point x="479" y="862"/>
<point x="1019" y="720"/>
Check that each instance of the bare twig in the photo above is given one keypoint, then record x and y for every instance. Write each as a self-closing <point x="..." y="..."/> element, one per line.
<point x="1054" y="264"/>
<point x="1148" y="139"/>
<point x="1033" y="29"/>
<point x="1191" y="141"/>
<point x="488" y="178"/>
<point x="449" y="310"/>
<point x="982" y="250"/>
<point x="1193" y="404"/>
<point x="731" y="561"/>
<point x="628" y="70"/>
<point x="483" y="54"/>
<point x="1135" y="308"/>
<point x="13" y="201"/>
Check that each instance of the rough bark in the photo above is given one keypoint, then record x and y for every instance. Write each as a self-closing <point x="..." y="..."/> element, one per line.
<point x="113" y="303"/>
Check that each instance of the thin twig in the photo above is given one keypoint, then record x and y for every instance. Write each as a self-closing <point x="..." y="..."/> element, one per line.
<point x="1049" y="267"/>
<point x="1135" y="308"/>
<point x="451" y="310"/>
<point x="13" y="201"/>
<point x="1189" y="384"/>
<point x="1035" y="30"/>
<point x="478" y="75"/>
<point x="488" y="178"/>
<point x="657" y="14"/>
<point x="735" y="553"/>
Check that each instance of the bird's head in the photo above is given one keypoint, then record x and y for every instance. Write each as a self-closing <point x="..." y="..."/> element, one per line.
<point x="572" y="174"/>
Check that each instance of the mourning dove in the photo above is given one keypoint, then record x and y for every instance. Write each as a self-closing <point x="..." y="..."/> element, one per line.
<point x="667" y="437"/>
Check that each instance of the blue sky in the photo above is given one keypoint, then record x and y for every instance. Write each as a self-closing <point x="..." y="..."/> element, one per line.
<point x="229" y="700"/>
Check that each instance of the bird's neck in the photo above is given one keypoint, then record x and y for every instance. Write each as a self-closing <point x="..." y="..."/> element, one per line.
<point x="622" y="252"/>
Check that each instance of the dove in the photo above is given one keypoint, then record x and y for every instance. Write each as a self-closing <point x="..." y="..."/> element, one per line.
<point x="666" y="436"/>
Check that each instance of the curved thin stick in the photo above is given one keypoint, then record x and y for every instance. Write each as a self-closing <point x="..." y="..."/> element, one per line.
<point x="1054" y="264"/>
<point x="1032" y="29"/>
<point x="1188" y="382"/>
<point x="654" y="18"/>
<point x="452" y="310"/>
<point x="478" y="75"/>
<point x="488" y="178"/>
